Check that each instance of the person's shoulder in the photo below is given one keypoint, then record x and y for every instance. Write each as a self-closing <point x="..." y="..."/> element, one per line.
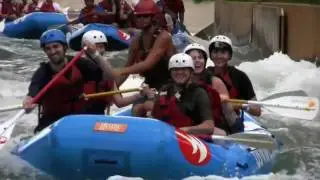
<point x="164" y="38"/>
<point x="43" y="71"/>
<point x="237" y="72"/>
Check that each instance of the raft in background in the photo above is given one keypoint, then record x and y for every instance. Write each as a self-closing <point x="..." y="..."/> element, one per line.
<point x="117" y="39"/>
<point x="98" y="146"/>
<point x="31" y="26"/>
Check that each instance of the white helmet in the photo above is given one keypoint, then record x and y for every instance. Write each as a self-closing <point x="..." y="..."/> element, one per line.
<point x="196" y="46"/>
<point x="94" y="36"/>
<point x="181" y="60"/>
<point x="221" y="38"/>
<point x="220" y="41"/>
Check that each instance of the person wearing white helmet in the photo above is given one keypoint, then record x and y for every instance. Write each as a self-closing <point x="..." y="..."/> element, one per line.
<point x="200" y="56"/>
<point x="96" y="37"/>
<point x="184" y="104"/>
<point x="223" y="113"/>
<point x="98" y="105"/>
<point x="236" y="81"/>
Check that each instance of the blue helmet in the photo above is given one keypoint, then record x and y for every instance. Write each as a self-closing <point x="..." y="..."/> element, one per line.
<point x="53" y="35"/>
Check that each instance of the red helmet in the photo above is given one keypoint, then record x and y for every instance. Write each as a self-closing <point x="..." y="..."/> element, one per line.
<point x="146" y="7"/>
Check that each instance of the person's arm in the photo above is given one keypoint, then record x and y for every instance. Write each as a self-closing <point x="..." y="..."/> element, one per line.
<point x="102" y="62"/>
<point x="39" y="5"/>
<point x="133" y="51"/>
<point x="221" y="88"/>
<point x="25" y="9"/>
<point x="38" y="81"/>
<point x="120" y="101"/>
<point x="159" y="49"/>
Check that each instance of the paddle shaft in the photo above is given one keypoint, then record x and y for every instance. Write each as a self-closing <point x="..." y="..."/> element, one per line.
<point x="10" y="108"/>
<point x="74" y="21"/>
<point x="239" y="101"/>
<point x="109" y="93"/>
<point x="255" y="140"/>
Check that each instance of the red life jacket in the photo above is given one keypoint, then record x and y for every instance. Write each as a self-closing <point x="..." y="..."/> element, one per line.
<point x="94" y="87"/>
<point x="63" y="97"/>
<point x="107" y="5"/>
<point x="31" y="7"/>
<point x="233" y="92"/>
<point x="226" y="79"/>
<point x="90" y="18"/>
<point x="216" y="107"/>
<point x="166" y="109"/>
<point x="9" y="8"/>
<point x="47" y="7"/>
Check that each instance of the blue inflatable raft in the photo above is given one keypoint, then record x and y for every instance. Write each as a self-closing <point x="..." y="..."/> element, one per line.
<point x="117" y="39"/>
<point x="31" y="26"/>
<point x="97" y="147"/>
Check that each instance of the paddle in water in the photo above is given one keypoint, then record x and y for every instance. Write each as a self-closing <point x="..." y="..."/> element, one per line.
<point x="11" y="108"/>
<point x="6" y="129"/>
<point x="263" y="141"/>
<point x="286" y="93"/>
<point x="300" y="107"/>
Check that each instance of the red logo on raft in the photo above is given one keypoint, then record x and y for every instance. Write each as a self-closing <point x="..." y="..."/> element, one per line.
<point x="193" y="149"/>
<point x="3" y="139"/>
<point x="123" y="35"/>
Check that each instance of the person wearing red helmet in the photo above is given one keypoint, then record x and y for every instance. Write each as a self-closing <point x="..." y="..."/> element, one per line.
<point x="149" y="52"/>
